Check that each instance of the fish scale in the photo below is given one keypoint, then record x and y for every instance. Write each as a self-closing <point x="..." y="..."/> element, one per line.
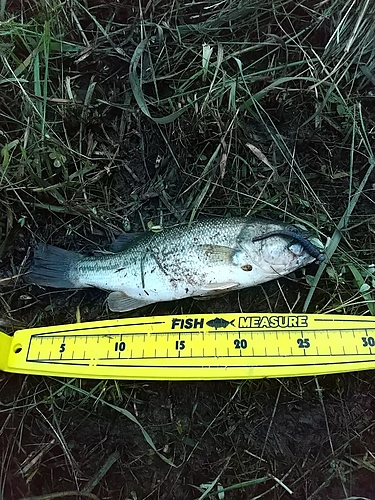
<point x="209" y="257"/>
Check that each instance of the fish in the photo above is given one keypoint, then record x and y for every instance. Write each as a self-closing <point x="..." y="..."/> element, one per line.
<point x="204" y="259"/>
<point x="219" y="323"/>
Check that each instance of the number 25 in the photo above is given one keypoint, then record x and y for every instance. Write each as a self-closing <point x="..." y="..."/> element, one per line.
<point x="303" y="343"/>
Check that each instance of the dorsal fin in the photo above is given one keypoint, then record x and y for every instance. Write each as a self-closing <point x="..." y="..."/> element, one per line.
<point x="123" y="241"/>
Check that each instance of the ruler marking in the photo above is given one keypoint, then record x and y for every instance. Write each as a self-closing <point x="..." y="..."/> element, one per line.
<point x="318" y="354"/>
<point x="111" y="336"/>
<point x="211" y="356"/>
<point x="47" y="350"/>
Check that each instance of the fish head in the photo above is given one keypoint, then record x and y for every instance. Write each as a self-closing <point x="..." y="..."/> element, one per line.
<point x="276" y="255"/>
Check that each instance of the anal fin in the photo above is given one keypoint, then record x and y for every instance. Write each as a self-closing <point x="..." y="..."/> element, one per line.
<point x="120" y="302"/>
<point x="220" y="287"/>
<point x="211" y="290"/>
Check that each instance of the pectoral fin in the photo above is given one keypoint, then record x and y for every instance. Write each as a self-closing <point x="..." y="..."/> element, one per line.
<point x="218" y="253"/>
<point x="120" y="302"/>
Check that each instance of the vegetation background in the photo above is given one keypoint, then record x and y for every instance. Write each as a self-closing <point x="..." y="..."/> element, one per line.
<point x="124" y="115"/>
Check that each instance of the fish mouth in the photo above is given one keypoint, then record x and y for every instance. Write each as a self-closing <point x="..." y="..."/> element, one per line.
<point x="300" y="255"/>
<point x="303" y="260"/>
<point x="283" y="259"/>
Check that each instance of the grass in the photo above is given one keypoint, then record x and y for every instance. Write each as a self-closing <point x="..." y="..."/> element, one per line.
<point x="139" y="115"/>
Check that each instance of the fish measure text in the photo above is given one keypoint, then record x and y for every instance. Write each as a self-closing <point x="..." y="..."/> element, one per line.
<point x="277" y="321"/>
<point x="187" y="324"/>
<point x="248" y="322"/>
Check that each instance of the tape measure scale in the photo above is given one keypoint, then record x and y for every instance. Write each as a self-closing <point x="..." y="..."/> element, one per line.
<point x="195" y="347"/>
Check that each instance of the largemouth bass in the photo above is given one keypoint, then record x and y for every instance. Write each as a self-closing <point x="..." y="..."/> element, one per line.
<point x="209" y="257"/>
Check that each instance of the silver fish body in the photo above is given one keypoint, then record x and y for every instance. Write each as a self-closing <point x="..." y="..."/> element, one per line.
<point x="209" y="257"/>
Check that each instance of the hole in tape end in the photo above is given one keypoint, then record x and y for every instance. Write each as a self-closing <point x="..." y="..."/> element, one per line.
<point x="17" y="348"/>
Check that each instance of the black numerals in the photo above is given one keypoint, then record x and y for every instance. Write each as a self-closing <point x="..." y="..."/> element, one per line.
<point x="303" y="343"/>
<point x="120" y="346"/>
<point x="240" y="343"/>
<point x="62" y="347"/>
<point x="368" y="341"/>
<point x="180" y="345"/>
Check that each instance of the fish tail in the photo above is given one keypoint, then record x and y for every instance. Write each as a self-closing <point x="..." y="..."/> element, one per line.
<point x="53" y="266"/>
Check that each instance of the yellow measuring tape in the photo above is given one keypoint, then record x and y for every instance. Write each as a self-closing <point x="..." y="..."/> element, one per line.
<point x="195" y="347"/>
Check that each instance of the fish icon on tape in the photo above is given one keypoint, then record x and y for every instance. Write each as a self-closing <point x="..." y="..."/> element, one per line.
<point x="219" y="323"/>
